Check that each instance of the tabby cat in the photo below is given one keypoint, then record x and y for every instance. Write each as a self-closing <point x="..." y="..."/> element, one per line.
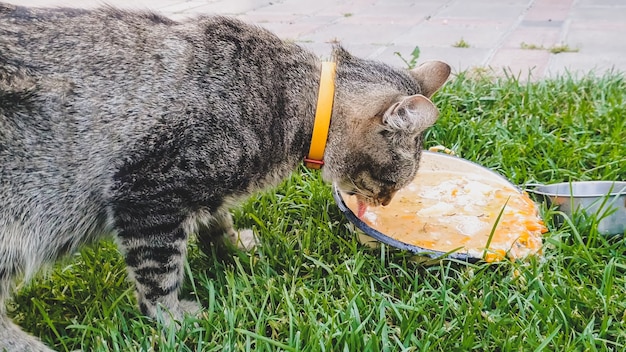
<point x="128" y="123"/>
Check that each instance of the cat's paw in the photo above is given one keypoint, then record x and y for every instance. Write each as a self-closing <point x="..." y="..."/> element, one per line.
<point x="169" y="318"/>
<point x="191" y="308"/>
<point x="245" y="239"/>
<point x="12" y="339"/>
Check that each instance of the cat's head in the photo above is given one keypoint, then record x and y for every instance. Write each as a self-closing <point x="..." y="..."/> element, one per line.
<point x="379" y="116"/>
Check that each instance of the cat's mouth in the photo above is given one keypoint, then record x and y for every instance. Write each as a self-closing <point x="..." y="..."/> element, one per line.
<point x="366" y="199"/>
<point x="361" y="206"/>
<point x="363" y="202"/>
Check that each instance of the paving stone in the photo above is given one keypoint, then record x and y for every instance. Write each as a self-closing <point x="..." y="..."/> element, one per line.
<point x="598" y="25"/>
<point x="548" y="10"/>
<point x="599" y="13"/>
<point x="521" y="63"/>
<point x="290" y="30"/>
<point x="448" y="33"/>
<point x="157" y="5"/>
<point x="494" y="30"/>
<point x="597" y="41"/>
<point x="579" y="64"/>
<point x="484" y="9"/>
<point x="391" y="13"/>
<point x="459" y="59"/>
<point x="262" y="17"/>
<point x="55" y="3"/>
<point x="549" y="23"/>
<point x="599" y="3"/>
<point x="354" y="33"/>
<point x="532" y="38"/>
<point x="345" y="8"/>
<point x="180" y="7"/>
<point x="229" y="7"/>
<point x="300" y="6"/>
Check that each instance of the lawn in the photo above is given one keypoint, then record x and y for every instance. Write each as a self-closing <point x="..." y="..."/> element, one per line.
<point x="310" y="285"/>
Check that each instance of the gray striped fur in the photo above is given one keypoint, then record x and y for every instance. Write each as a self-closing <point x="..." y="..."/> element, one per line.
<point x="130" y="124"/>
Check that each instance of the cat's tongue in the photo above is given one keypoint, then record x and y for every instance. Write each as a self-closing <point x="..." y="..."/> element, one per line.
<point x="362" y="207"/>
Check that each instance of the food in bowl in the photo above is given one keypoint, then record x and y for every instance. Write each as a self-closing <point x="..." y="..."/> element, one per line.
<point x="452" y="209"/>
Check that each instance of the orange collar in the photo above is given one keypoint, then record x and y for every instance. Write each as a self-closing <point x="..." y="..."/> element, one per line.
<point x="325" y="96"/>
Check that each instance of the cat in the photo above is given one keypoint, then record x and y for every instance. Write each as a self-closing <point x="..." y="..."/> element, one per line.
<point x="130" y="124"/>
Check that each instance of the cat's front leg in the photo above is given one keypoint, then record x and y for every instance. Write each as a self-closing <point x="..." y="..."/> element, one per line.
<point x="220" y="228"/>
<point x="155" y="252"/>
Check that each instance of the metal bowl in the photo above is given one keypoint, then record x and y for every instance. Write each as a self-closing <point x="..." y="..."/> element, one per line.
<point x="604" y="199"/>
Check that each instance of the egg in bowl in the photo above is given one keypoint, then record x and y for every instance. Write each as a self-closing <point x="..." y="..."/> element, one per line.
<point x="454" y="206"/>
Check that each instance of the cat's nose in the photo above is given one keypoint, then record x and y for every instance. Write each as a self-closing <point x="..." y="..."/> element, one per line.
<point x="387" y="198"/>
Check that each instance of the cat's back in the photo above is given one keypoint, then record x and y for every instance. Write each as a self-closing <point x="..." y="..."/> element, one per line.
<point x="82" y="90"/>
<point x="75" y="66"/>
<point x="39" y="37"/>
<point x="111" y="74"/>
<point x="77" y="87"/>
<point x="96" y="66"/>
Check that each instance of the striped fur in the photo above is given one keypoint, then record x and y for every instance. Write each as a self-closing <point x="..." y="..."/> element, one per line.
<point x="131" y="124"/>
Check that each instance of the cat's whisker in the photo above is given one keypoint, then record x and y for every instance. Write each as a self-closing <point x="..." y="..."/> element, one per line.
<point x="356" y="188"/>
<point x="358" y="191"/>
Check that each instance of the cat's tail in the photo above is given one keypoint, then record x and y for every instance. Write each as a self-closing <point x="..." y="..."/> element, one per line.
<point x="13" y="339"/>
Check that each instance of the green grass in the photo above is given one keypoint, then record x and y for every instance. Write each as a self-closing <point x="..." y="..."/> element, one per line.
<point x="555" y="49"/>
<point x="461" y="44"/>
<point x="410" y="62"/>
<point x="311" y="286"/>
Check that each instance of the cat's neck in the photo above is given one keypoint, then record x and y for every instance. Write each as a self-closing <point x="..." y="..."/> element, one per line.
<point x="323" y="112"/>
<point x="303" y="81"/>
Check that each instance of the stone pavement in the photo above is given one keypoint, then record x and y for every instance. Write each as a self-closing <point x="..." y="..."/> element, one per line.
<point x="519" y="36"/>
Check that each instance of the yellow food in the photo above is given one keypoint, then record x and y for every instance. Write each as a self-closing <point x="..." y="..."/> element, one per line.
<point x="456" y="212"/>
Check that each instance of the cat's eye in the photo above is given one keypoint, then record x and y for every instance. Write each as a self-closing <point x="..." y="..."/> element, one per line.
<point x="385" y="133"/>
<point x="385" y="181"/>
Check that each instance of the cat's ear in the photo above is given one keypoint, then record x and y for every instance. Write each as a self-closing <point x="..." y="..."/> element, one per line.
<point x="431" y="75"/>
<point x="412" y="114"/>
